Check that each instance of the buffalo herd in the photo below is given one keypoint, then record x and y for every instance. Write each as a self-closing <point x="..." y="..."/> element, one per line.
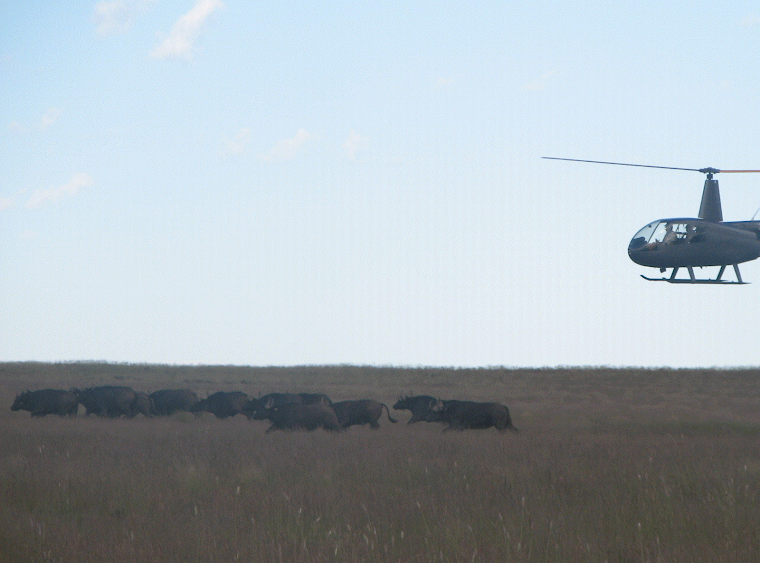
<point x="284" y="411"/>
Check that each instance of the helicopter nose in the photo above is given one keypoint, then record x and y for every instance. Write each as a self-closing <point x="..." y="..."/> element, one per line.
<point x="643" y="245"/>
<point x="638" y="249"/>
<point x="639" y="256"/>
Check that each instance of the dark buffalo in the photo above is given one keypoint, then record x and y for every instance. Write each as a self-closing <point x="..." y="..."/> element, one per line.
<point x="361" y="412"/>
<point x="169" y="401"/>
<point x="420" y="406"/>
<point x="302" y="417"/>
<point x="108" y="400"/>
<point x="469" y="415"/>
<point x="47" y="401"/>
<point x="255" y="408"/>
<point x="222" y="404"/>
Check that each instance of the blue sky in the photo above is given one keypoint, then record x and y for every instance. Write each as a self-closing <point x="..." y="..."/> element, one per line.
<point x="280" y="183"/>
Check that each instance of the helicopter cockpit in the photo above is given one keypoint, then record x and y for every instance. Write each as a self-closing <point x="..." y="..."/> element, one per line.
<point x="665" y="232"/>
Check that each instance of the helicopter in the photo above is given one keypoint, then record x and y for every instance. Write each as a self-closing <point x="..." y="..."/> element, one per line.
<point x="704" y="241"/>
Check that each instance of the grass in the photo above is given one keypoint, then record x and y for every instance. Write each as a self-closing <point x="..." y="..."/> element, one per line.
<point x="609" y="465"/>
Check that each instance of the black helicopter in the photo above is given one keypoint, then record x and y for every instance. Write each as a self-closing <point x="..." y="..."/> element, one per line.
<point x="694" y="242"/>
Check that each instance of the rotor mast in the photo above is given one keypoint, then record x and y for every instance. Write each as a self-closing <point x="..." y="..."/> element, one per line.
<point x="710" y="208"/>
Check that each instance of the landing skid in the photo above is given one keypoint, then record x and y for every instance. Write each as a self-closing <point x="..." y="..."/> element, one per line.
<point x="692" y="279"/>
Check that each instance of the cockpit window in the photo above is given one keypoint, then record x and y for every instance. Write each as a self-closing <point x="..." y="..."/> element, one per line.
<point x="664" y="232"/>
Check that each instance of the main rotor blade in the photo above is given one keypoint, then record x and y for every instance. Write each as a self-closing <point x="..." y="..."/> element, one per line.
<point x="702" y="170"/>
<point x="622" y="164"/>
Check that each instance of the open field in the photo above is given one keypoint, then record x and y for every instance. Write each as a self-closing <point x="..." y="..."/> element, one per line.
<point x="617" y="465"/>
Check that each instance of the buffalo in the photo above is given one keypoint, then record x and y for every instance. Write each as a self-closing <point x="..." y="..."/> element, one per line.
<point x="169" y="401"/>
<point x="420" y="406"/>
<point x="361" y="412"/>
<point x="109" y="401"/>
<point x="47" y="401"/>
<point x="467" y="415"/>
<point x="255" y="408"/>
<point x="301" y="417"/>
<point x="222" y="404"/>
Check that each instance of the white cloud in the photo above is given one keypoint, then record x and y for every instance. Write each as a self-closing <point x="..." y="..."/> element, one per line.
<point x="287" y="148"/>
<point x="116" y="16"/>
<point x="6" y="203"/>
<point x="354" y="144"/>
<point x="44" y="122"/>
<point x="48" y="119"/>
<point x="111" y="17"/>
<point x="239" y="144"/>
<point x="541" y="83"/>
<point x="186" y="30"/>
<point x="77" y="182"/>
<point x="750" y="20"/>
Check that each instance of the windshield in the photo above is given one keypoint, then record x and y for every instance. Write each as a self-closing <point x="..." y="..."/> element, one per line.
<point x="644" y="235"/>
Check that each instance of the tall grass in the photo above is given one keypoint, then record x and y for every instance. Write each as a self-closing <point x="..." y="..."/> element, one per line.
<point x="609" y="465"/>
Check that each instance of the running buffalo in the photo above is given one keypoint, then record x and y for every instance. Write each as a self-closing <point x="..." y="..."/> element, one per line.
<point x="109" y="400"/>
<point x="169" y="401"/>
<point x="420" y="406"/>
<point x="47" y="401"/>
<point x="222" y="404"/>
<point x="301" y="417"/>
<point x="467" y="415"/>
<point x="255" y="408"/>
<point x="361" y="412"/>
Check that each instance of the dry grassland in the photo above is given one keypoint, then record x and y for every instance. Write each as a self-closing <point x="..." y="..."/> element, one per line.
<point x="609" y="465"/>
